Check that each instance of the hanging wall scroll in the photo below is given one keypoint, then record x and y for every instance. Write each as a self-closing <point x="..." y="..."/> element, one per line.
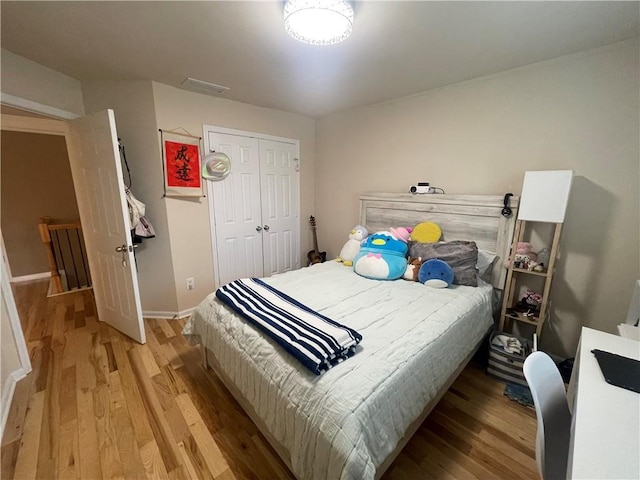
<point x="181" y="162"/>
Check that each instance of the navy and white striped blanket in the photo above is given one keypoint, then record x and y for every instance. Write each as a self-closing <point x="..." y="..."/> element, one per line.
<point x="315" y="340"/>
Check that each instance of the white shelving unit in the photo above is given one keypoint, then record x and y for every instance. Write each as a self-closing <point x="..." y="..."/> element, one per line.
<point x="508" y="315"/>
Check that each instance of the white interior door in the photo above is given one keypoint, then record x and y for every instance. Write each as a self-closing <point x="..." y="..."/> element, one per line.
<point x="97" y="177"/>
<point x="280" y="218"/>
<point x="237" y="227"/>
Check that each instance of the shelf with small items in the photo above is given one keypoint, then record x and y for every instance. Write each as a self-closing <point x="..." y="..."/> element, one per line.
<point x="544" y="273"/>
<point x="542" y="209"/>
<point x="525" y="317"/>
<point x="533" y="308"/>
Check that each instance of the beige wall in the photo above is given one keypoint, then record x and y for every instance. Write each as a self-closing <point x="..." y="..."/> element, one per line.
<point x="35" y="182"/>
<point x="579" y="112"/>
<point x="182" y="247"/>
<point x="133" y="105"/>
<point x="31" y="81"/>
<point x="189" y="219"/>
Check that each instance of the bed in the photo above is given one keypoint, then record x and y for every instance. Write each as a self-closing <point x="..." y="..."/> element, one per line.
<point x="352" y="421"/>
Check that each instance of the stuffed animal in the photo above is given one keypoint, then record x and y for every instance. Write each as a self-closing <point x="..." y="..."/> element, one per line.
<point x="522" y="260"/>
<point x="524" y="257"/>
<point x="435" y="273"/>
<point x="352" y="246"/>
<point x="401" y="233"/>
<point x="413" y="267"/>
<point x="426" y="232"/>
<point x="381" y="257"/>
<point x="535" y="266"/>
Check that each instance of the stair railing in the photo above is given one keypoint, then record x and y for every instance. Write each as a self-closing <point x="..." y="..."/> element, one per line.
<point x="66" y="254"/>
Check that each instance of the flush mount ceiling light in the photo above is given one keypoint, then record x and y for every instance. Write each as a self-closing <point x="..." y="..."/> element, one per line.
<point x="318" y="22"/>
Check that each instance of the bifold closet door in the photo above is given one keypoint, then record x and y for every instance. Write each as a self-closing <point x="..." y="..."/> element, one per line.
<point x="237" y="210"/>
<point x="280" y="205"/>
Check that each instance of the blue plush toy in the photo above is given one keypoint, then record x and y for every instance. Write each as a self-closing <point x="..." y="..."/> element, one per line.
<point x="381" y="257"/>
<point x="435" y="273"/>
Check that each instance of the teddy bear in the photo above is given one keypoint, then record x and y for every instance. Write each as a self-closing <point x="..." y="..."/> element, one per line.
<point x="352" y="247"/>
<point x="413" y="267"/>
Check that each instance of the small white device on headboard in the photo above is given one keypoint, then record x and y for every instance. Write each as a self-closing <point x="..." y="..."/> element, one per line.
<point x="421" y="188"/>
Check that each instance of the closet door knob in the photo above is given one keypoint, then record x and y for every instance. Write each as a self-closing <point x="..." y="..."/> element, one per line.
<point x="258" y="228"/>
<point x="266" y="228"/>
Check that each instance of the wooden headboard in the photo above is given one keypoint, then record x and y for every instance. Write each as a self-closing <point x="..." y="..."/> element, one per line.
<point x="461" y="217"/>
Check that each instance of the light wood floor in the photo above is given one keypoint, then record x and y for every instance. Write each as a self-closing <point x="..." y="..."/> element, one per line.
<point x="98" y="405"/>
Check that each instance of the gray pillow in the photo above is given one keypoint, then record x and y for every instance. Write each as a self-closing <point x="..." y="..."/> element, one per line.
<point x="459" y="254"/>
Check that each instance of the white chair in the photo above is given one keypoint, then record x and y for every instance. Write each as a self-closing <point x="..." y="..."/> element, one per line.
<point x="630" y="329"/>
<point x="552" y="412"/>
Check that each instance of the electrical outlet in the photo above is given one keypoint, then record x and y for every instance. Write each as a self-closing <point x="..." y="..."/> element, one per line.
<point x="191" y="283"/>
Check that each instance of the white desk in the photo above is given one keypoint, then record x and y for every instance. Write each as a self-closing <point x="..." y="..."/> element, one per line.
<point x="605" y="426"/>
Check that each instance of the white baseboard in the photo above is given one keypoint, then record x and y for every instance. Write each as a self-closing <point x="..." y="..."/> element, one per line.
<point x="168" y="315"/>
<point x="28" y="278"/>
<point x="8" y="390"/>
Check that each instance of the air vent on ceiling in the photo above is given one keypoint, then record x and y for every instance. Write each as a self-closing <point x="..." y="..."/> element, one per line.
<point x="201" y="86"/>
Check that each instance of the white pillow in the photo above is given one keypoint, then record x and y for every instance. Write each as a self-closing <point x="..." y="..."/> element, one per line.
<point x="484" y="264"/>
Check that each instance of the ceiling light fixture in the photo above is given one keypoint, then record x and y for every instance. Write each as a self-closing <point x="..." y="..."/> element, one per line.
<point x="318" y="22"/>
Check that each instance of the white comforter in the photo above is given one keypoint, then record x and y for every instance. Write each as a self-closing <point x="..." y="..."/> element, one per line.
<point x="344" y="423"/>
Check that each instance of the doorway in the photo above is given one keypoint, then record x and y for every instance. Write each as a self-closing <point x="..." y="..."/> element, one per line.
<point x="95" y="165"/>
<point x="36" y="183"/>
<point x="97" y="180"/>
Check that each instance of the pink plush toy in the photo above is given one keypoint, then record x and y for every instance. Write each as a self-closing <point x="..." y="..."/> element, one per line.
<point x="524" y="248"/>
<point x="525" y="258"/>
<point x="401" y="233"/>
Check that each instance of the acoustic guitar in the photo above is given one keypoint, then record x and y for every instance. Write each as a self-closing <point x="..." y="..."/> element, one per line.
<point x="315" y="256"/>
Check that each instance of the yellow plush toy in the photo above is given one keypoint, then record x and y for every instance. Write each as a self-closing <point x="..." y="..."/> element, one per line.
<point x="426" y="232"/>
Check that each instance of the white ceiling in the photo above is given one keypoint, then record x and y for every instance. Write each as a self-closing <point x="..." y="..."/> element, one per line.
<point x="396" y="49"/>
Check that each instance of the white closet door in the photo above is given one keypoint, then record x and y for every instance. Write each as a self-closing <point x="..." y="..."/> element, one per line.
<point x="237" y="213"/>
<point x="280" y="206"/>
